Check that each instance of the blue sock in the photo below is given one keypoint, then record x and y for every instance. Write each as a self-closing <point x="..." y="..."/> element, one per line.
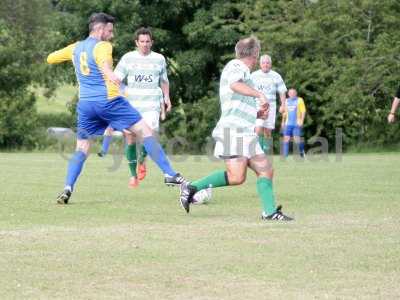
<point x="106" y="144"/>
<point x="301" y="147"/>
<point x="285" y="149"/>
<point x="75" y="167"/>
<point x="156" y="152"/>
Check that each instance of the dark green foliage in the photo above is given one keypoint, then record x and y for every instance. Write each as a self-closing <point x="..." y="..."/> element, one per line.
<point x="21" y="60"/>
<point x="341" y="55"/>
<point x="17" y="120"/>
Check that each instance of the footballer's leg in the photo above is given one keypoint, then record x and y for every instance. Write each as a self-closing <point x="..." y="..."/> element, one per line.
<point x="267" y="133"/>
<point x="123" y="117"/>
<point x="107" y="138"/>
<point x="152" y="118"/>
<point x="260" y="133"/>
<point x="142" y="170"/>
<point x="75" y="166"/>
<point x="235" y="174"/>
<point x="131" y="156"/>
<point x="264" y="171"/>
<point x="156" y="152"/>
<point x="264" y="130"/>
<point x="299" y="140"/>
<point x="287" y="133"/>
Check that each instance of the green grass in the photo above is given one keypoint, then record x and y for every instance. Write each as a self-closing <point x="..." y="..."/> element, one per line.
<point x="114" y="243"/>
<point x="58" y="102"/>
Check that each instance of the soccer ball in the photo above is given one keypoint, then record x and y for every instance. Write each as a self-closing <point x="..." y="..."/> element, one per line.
<point x="202" y="197"/>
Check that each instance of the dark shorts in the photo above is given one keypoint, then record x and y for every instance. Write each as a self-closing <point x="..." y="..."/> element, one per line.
<point x="95" y="116"/>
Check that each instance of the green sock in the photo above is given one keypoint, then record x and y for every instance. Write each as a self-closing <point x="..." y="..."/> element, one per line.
<point x="264" y="143"/>
<point x="142" y="155"/>
<point x="264" y="190"/>
<point x="216" y="179"/>
<point x="130" y="152"/>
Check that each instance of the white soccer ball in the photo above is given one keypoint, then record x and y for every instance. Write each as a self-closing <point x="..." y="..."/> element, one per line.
<point x="202" y="197"/>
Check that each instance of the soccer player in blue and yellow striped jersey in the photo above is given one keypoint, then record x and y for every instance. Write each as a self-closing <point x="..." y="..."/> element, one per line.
<point x="100" y="103"/>
<point x="293" y="120"/>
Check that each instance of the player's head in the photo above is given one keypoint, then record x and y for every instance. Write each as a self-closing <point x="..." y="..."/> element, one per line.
<point x="292" y="93"/>
<point x="265" y="63"/>
<point x="144" y="40"/>
<point x="249" y="49"/>
<point x="101" y="25"/>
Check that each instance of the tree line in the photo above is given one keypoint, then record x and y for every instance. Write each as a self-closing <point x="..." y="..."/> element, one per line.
<point x="341" y="55"/>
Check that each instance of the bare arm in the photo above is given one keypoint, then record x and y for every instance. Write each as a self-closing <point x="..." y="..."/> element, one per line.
<point x="165" y="89"/>
<point x="243" y="89"/>
<point x="301" y="119"/>
<point x="282" y="97"/>
<point x="392" y="115"/>
<point x="110" y="75"/>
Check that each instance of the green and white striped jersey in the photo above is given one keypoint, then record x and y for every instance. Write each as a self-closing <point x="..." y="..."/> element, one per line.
<point x="143" y="73"/>
<point x="269" y="84"/>
<point x="238" y="112"/>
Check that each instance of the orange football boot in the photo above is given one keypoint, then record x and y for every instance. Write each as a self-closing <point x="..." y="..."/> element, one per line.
<point x="141" y="171"/>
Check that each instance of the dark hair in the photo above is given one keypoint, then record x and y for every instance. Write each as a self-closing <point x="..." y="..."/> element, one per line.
<point x="143" y="31"/>
<point x="101" y="17"/>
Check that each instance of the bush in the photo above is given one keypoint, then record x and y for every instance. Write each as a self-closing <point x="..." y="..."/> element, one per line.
<point x="18" y="120"/>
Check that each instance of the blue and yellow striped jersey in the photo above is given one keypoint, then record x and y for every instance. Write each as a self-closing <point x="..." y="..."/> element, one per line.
<point x="294" y="107"/>
<point x="88" y="57"/>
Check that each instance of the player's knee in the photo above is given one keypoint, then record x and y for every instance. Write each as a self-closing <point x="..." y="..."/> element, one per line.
<point x="83" y="146"/>
<point x="130" y="138"/>
<point x="268" y="173"/>
<point x="141" y="129"/>
<point x="267" y="133"/>
<point x="236" y="179"/>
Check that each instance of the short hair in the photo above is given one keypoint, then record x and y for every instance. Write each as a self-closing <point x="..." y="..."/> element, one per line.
<point x="99" y="18"/>
<point x="265" y="57"/>
<point x="143" y="31"/>
<point x="247" y="47"/>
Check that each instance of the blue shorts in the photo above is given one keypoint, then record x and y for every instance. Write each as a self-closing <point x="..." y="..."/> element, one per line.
<point x="291" y="130"/>
<point x="95" y="116"/>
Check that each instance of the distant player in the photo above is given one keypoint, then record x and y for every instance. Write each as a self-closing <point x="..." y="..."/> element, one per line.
<point x="270" y="83"/>
<point x="236" y="140"/>
<point x="100" y="103"/>
<point x="395" y="104"/>
<point x="293" y="121"/>
<point x="147" y="91"/>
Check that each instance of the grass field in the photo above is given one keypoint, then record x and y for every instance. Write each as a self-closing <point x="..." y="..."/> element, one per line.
<point x="116" y="243"/>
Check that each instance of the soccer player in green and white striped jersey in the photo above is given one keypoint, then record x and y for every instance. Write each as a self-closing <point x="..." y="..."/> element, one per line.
<point x="147" y="90"/>
<point x="269" y="83"/>
<point x="235" y="136"/>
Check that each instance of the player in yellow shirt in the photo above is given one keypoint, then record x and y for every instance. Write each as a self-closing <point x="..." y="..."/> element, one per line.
<point x="100" y="103"/>
<point x="293" y="121"/>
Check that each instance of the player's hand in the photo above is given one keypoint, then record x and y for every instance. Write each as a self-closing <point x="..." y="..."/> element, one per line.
<point x="168" y="104"/>
<point x="300" y="123"/>
<point x="282" y="109"/>
<point x="391" y="118"/>
<point x="263" y="111"/>
<point x="110" y="75"/>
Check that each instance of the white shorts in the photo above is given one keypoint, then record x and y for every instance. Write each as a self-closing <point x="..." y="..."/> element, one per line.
<point x="152" y="118"/>
<point x="247" y="146"/>
<point x="270" y="121"/>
